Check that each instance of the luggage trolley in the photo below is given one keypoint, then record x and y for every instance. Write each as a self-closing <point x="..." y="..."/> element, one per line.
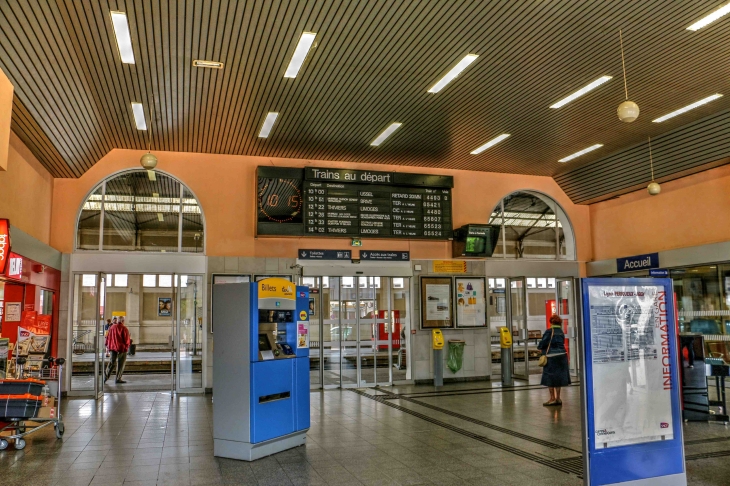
<point x="19" y="407"/>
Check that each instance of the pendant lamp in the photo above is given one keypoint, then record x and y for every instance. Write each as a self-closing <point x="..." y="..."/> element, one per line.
<point x="654" y="188"/>
<point x="628" y="111"/>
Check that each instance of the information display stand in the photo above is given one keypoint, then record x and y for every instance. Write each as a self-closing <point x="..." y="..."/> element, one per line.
<point x="632" y="419"/>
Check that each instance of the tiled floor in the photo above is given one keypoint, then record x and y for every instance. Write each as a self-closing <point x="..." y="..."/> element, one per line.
<point x="457" y="437"/>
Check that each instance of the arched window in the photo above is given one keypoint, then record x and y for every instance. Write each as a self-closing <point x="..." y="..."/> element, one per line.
<point x="137" y="210"/>
<point x="533" y="226"/>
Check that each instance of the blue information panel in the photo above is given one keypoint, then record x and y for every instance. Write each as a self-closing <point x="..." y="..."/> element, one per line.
<point x="633" y="421"/>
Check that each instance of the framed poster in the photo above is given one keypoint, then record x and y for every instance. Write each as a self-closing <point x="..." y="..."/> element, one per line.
<point x="12" y="311"/>
<point x="164" y="306"/>
<point x="436" y="302"/>
<point x="471" y="308"/>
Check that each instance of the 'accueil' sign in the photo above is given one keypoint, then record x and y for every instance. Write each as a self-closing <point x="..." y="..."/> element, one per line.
<point x="638" y="262"/>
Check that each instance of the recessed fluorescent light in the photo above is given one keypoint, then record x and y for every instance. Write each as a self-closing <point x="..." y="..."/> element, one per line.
<point x="581" y="92"/>
<point x="386" y="133"/>
<point x="124" y="39"/>
<point x="584" y="151"/>
<point x="300" y="54"/>
<point x="160" y="217"/>
<point x="138" y="111"/>
<point x="687" y="108"/>
<point x="268" y="124"/>
<point x="208" y="64"/>
<point x="455" y="71"/>
<point x="155" y="194"/>
<point x="491" y="143"/>
<point x="151" y="175"/>
<point x="710" y="18"/>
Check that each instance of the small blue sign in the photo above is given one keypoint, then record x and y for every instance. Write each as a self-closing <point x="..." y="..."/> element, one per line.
<point x="659" y="272"/>
<point x="638" y="262"/>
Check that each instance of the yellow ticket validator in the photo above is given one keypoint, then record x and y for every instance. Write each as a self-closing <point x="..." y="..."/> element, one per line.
<point x="505" y="337"/>
<point x="437" y="339"/>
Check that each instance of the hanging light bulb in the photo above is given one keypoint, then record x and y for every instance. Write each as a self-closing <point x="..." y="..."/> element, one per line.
<point x="628" y="111"/>
<point x="148" y="161"/>
<point x="654" y="188"/>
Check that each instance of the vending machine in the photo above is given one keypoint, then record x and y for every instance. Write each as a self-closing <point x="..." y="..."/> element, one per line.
<point x="261" y="368"/>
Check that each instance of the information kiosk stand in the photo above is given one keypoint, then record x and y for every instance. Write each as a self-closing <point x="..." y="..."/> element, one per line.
<point x="631" y="405"/>
<point x="261" y="373"/>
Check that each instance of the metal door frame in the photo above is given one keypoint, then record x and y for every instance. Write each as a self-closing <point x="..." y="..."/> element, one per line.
<point x="99" y="348"/>
<point x="522" y="333"/>
<point x="97" y="391"/>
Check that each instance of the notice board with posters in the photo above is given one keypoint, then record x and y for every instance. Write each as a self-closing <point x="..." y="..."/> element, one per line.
<point x="632" y="413"/>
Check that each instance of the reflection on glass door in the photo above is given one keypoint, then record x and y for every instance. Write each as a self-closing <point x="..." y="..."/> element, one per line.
<point x="189" y="332"/>
<point x="497" y="316"/>
<point x="517" y="316"/>
<point x="359" y="330"/>
<point x="565" y="303"/>
<point x="87" y="339"/>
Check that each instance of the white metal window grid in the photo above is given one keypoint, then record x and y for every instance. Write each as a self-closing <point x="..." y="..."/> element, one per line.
<point x="153" y="204"/>
<point x="522" y="219"/>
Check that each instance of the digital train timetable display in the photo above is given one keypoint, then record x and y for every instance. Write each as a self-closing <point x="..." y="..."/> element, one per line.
<point x="353" y="203"/>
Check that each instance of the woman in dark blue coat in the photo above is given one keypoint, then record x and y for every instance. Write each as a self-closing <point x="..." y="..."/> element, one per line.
<point x="556" y="373"/>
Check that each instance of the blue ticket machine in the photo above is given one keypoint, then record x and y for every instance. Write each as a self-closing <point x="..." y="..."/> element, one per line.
<point x="260" y="368"/>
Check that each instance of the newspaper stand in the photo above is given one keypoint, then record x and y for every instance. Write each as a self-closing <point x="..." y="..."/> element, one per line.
<point x="19" y="427"/>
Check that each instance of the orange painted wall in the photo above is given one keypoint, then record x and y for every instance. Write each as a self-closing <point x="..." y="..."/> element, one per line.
<point x="6" y="113"/>
<point x="689" y="211"/>
<point x="26" y="192"/>
<point x="225" y="186"/>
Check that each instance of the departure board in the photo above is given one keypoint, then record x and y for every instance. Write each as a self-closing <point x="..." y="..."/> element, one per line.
<point x="353" y="203"/>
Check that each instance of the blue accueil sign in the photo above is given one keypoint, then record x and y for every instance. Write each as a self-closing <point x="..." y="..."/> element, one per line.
<point x="638" y="262"/>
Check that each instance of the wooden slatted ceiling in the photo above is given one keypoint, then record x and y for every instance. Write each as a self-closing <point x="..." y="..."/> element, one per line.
<point x="373" y="63"/>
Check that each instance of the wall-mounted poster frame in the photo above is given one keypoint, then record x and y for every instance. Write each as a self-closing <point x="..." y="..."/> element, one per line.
<point x="471" y="302"/>
<point x="224" y="278"/>
<point x="437" y="302"/>
<point x="258" y="278"/>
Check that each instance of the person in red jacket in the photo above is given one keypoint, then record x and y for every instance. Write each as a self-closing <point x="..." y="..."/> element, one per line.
<point x="117" y="342"/>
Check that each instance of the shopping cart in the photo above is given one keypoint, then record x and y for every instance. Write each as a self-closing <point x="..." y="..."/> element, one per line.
<point x="21" y="412"/>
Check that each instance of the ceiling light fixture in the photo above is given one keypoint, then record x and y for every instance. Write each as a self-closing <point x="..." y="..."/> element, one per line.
<point x="268" y="124"/>
<point x="585" y="89"/>
<point x="627" y="111"/>
<point x="207" y="64"/>
<point x="491" y="143"/>
<point x="160" y="217"/>
<point x="584" y="151"/>
<point x="386" y="133"/>
<point x="685" y="109"/>
<point x="453" y="73"/>
<point x="300" y="54"/>
<point x="151" y="175"/>
<point x="124" y="38"/>
<point x="710" y="18"/>
<point x="138" y="112"/>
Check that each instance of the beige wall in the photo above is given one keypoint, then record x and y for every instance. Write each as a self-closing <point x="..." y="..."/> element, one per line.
<point x="6" y="113"/>
<point x="689" y="211"/>
<point x="26" y="192"/>
<point x="226" y="188"/>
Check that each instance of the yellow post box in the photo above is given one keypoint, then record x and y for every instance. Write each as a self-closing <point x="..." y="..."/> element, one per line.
<point x="437" y="339"/>
<point x="505" y="337"/>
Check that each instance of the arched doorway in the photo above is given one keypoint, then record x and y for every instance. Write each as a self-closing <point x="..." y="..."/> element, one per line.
<point x="138" y="257"/>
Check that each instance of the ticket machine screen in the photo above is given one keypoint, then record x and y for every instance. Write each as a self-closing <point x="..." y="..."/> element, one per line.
<point x="266" y="315"/>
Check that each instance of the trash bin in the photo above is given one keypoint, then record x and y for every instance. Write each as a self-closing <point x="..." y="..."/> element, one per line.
<point x="456" y="355"/>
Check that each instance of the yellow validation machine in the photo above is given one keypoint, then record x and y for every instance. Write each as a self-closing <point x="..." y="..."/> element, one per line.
<point x="437" y="339"/>
<point x="505" y="343"/>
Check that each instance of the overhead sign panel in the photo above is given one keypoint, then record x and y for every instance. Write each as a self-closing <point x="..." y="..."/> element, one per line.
<point x="324" y="254"/>
<point x="353" y="203"/>
<point x="386" y="256"/>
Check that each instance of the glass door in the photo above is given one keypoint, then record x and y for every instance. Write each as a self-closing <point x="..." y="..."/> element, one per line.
<point x="517" y="316"/>
<point x="188" y="345"/>
<point x="399" y="337"/>
<point x="497" y="317"/>
<point x="564" y="299"/>
<point x="88" y="347"/>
